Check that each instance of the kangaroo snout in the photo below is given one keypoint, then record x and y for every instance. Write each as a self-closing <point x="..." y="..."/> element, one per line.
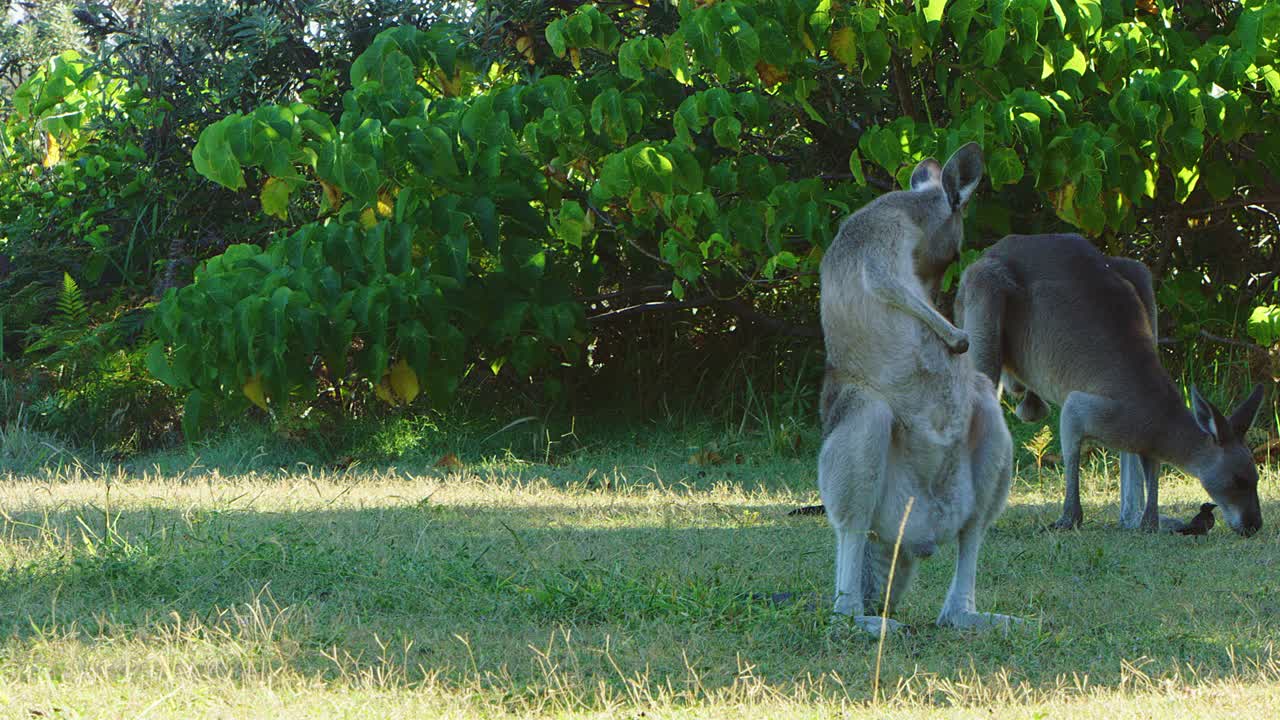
<point x="1249" y="527"/>
<point x="1245" y="524"/>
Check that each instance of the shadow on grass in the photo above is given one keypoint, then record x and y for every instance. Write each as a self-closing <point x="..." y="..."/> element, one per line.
<point x="483" y="592"/>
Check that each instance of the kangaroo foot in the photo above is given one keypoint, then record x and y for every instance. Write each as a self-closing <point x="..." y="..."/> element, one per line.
<point x="1150" y="523"/>
<point x="980" y="621"/>
<point x="869" y="624"/>
<point x="1067" y="522"/>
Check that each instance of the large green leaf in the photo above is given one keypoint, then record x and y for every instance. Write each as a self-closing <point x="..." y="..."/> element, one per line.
<point x="571" y="224"/>
<point x="727" y="131"/>
<point x="1004" y="167"/>
<point x="1264" y="324"/>
<point x="740" y="43"/>
<point x="213" y="156"/>
<point x="158" y="365"/>
<point x="193" y="415"/>
<point x="652" y="170"/>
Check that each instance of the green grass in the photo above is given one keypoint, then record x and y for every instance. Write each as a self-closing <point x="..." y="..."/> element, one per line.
<point x="616" y="580"/>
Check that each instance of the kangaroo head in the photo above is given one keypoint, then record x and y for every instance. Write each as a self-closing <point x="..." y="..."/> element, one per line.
<point x="1230" y="476"/>
<point x="943" y="192"/>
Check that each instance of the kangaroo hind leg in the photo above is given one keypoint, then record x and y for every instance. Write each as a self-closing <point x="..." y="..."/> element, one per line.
<point x="1088" y="416"/>
<point x="991" y="468"/>
<point x="980" y="305"/>
<point x="1139" y="473"/>
<point x="852" y="469"/>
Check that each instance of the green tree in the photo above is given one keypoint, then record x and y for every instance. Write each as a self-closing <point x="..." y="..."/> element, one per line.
<point x="536" y="157"/>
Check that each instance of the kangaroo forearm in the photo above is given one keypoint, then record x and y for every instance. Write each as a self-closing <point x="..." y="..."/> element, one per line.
<point x="900" y="298"/>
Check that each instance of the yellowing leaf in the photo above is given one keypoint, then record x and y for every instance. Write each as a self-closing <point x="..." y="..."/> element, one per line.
<point x="770" y="75"/>
<point x="253" y="391"/>
<point x="450" y="86"/>
<point x="844" y="47"/>
<point x="404" y="382"/>
<point x="332" y="197"/>
<point x="53" y="152"/>
<point x="275" y="198"/>
<point x="524" y="46"/>
<point x="808" y="42"/>
<point x="386" y="204"/>
<point x="368" y="218"/>
<point x="383" y="391"/>
<point x="1064" y="203"/>
<point x="575" y="57"/>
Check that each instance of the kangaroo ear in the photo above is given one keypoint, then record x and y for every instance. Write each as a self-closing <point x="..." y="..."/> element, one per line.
<point x="1210" y="419"/>
<point x="962" y="174"/>
<point x="1242" y="418"/>
<point x="926" y="173"/>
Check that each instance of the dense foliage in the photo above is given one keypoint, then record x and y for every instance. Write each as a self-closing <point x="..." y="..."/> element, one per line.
<point x="97" y="183"/>
<point x="509" y="192"/>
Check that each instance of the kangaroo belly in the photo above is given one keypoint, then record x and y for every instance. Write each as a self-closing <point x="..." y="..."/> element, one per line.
<point x="937" y="485"/>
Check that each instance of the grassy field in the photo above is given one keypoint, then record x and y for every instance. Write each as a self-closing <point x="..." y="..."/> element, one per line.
<point x="625" y="580"/>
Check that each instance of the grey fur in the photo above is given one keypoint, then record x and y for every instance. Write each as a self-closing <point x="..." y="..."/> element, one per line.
<point x="904" y="413"/>
<point x="1077" y="328"/>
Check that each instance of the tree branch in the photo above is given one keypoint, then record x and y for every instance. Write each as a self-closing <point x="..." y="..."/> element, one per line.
<point x="873" y="181"/>
<point x="766" y="322"/>
<point x="1264" y="201"/>
<point x="1252" y="347"/>
<point x="903" y="87"/>
<point x="772" y="325"/>
<point x="1218" y="339"/>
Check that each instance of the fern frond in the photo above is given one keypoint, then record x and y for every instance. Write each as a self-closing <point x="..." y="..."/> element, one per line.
<point x="72" y="311"/>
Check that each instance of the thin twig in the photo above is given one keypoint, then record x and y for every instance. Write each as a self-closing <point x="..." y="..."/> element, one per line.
<point x="624" y="291"/>
<point x="651" y="307"/>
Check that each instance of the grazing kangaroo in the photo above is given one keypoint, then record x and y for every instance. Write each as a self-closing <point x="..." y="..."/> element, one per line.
<point x="904" y="413"/>
<point x="1072" y="326"/>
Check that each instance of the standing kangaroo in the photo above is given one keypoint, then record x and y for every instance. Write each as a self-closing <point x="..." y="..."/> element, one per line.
<point x="1077" y="328"/>
<point x="931" y="259"/>
<point x="904" y="413"/>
